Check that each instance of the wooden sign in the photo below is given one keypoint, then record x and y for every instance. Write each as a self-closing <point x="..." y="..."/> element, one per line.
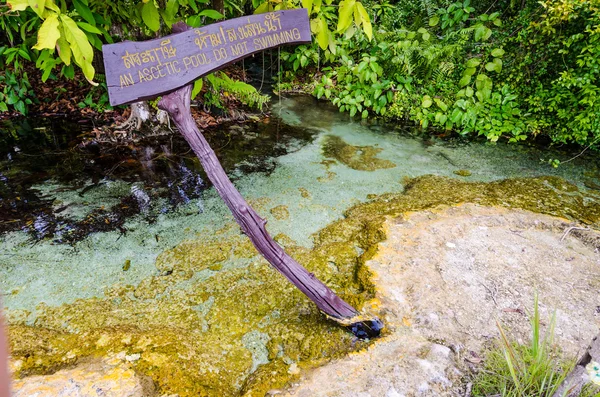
<point x="138" y="70"/>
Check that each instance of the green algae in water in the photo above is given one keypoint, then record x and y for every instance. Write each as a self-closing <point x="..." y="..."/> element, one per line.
<point x="217" y="337"/>
<point x="362" y="158"/>
<point x="280" y="212"/>
<point x="462" y="172"/>
<point x="239" y="331"/>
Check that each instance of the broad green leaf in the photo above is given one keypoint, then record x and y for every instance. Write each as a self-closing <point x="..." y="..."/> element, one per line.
<point x="323" y="34"/>
<point x="466" y="79"/>
<point x="84" y="12"/>
<point x="193" y="4"/>
<point x="349" y="32"/>
<point x="469" y="92"/>
<point x="24" y="54"/>
<point x="18" y="5"/>
<point x="332" y="45"/>
<point x="261" y="9"/>
<point x="47" y="72"/>
<point x="83" y="53"/>
<point x="150" y="16"/>
<point x="441" y="104"/>
<point x="366" y="20"/>
<point x="195" y="20"/>
<point x="473" y="62"/>
<point x="198" y="84"/>
<point x="427" y="102"/>
<point x="212" y="14"/>
<point x="308" y="5"/>
<point x="497" y="52"/>
<point x="38" y="7"/>
<point x="51" y="6"/>
<point x="88" y="70"/>
<point x="479" y="31"/>
<point x="487" y="93"/>
<point x="490" y="66"/>
<point x="64" y="50"/>
<point x="469" y="72"/>
<point x="498" y="63"/>
<point x="433" y="21"/>
<point x="48" y="33"/>
<point x="315" y="25"/>
<point x="172" y="8"/>
<point x="487" y="34"/>
<point x="94" y="40"/>
<point x="89" y="28"/>
<point x="167" y="18"/>
<point x="357" y="18"/>
<point x="426" y="36"/>
<point x="346" y="10"/>
<point x="20" y="107"/>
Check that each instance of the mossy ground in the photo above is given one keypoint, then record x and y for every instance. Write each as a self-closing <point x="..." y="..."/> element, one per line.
<point x="214" y="311"/>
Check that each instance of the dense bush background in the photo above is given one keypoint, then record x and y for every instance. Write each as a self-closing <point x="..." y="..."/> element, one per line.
<point x="502" y="69"/>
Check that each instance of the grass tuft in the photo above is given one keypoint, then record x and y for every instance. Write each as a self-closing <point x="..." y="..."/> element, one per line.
<point x="536" y="369"/>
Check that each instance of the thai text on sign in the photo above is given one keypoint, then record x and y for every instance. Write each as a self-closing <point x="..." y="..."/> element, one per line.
<point x="146" y="69"/>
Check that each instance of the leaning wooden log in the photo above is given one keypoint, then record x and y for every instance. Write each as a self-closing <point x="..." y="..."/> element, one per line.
<point x="583" y="371"/>
<point x="168" y="65"/>
<point x="177" y="105"/>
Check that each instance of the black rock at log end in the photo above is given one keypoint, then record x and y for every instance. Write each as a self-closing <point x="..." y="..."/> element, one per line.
<point x="366" y="329"/>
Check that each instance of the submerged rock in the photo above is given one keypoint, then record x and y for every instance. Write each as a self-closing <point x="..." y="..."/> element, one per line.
<point x="462" y="172"/>
<point x="280" y="212"/>
<point x="362" y="158"/>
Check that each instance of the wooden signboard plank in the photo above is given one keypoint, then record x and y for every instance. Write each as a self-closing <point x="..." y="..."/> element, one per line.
<point x="138" y="70"/>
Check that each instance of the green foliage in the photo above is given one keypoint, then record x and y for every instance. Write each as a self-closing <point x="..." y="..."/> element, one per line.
<point x="220" y="86"/>
<point x="97" y="98"/>
<point x="559" y="74"/>
<point x="16" y="92"/>
<point x="325" y="22"/>
<point x="65" y="37"/>
<point x="535" y="369"/>
<point x="459" y="67"/>
<point x="439" y="74"/>
<point x="70" y="33"/>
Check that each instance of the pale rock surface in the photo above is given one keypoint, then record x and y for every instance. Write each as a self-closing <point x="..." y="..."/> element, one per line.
<point x="444" y="277"/>
<point x="111" y="377"/>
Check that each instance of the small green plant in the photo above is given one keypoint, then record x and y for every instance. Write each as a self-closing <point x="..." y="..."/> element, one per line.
<point x="15" y="92"/>
<point x="536" y="369"/>
<point x="221" y="86"/>
<point x="97" y="99"/>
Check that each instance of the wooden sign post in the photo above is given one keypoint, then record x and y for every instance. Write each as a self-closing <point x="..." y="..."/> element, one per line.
<point x="143" y="70"/>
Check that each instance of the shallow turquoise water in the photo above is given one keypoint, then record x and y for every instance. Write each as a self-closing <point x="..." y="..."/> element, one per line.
<point x="52" y="273"/>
